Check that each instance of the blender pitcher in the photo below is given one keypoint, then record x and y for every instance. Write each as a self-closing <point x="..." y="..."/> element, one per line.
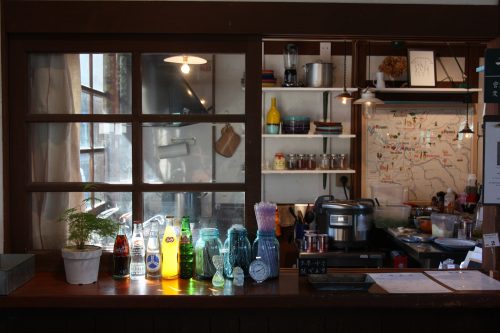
<point x="290" y="54"/>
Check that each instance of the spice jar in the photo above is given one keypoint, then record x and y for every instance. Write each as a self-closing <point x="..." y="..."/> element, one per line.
<point x="301" y="162"/>
<point x="334" y="162"/>
<point x="279" y="161"/>
<point x="341" y="161"/>
<point x="291" y="163"/>
<point x="206" y="247"/>
<point x="324" y="162"/>
<point x="311" y="162"/>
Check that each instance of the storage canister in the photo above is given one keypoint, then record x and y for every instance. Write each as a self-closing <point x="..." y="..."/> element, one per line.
<point x="239" y="251"/>
<point x="206" y="247"/>
<point x="267" y="247"/>
<point x="324" y="162"/>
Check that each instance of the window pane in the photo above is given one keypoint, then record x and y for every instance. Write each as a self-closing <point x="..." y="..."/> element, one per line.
<point x="205" y="209"/>
<point x="167" y="90"/>
<point x="73" y="84"/>
<point x="49" y="233"/>
<point x="184" y="153"/>
<point x="58" y="154"/>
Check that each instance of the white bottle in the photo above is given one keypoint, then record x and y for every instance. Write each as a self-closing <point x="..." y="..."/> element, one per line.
<point x="137" y="252"/>
<point x="153" y="256"/>
<point x="449" y="201"/>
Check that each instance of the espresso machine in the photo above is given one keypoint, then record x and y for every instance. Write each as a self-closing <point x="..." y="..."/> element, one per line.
<point x="291" y="56"/>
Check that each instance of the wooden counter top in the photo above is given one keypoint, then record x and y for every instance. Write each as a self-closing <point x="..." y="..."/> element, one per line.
<point x="49" y="290"/>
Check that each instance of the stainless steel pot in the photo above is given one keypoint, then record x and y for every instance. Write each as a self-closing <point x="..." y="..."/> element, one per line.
<point x="319" y="74"/>
<point x="348" y="223"/>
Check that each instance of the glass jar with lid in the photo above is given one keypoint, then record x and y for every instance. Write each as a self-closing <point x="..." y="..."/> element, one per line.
<point x="267" y="247"/>
<point x="291" y="163"/>
<point x="238" y="250"/>
<point x="341" y="161"/>
<point x="301" y="162"/>
<point x="324" y="162"/>
<point x="279" y="161"/>
<point x="334" y="161"/>
<point x="206" y="247"/>
<point x="311" y="161"/>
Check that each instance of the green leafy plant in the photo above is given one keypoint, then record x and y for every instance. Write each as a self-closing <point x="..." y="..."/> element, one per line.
<point x="82" y="224"/>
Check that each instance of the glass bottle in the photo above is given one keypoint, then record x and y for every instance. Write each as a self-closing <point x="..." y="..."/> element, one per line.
<point x="121" y="255"/>
<point x="301" y="162"/>
<point x="324" y="163"/>
<point x="279" y="161"/>
<point x="153" y="255"/>
<point x="291" y="163"/>
<point x="273" y="118"/>
<point x="334" y="161"/>
<point x="239" y="251"/>
<point x="267" y="247"/>
<point x="341" y="164"/>
<point x="170" y="250"/>
<point x="137" y="263"/>
<point x="311" y="162"/>
<point x="206" y="247"/>
<point x="186" y="250"/>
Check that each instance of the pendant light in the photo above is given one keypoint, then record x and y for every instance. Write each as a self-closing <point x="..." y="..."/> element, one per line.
<point x="368" y="99"/>
<point x="186" y="60"/>
<point x="345" y="95"/>
<point x="467" y="131"/>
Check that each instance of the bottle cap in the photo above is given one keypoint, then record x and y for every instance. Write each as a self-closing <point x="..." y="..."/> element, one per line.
<point x="137" y="222"/>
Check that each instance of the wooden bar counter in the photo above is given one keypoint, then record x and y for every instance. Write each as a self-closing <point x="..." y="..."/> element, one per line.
<point x="287" y="304"/>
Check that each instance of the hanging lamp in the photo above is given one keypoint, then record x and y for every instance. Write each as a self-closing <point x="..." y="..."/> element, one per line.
<point x="467" y="131"/>
<point x="368" y="99"/>
<point x="345" y="95"/>
<point x="186" y="60"/>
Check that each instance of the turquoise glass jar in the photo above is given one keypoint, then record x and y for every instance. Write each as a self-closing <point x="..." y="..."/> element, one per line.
<point x="238" y="252"/>
<point x="206" y="247"/>
<point x="267" y="247"/>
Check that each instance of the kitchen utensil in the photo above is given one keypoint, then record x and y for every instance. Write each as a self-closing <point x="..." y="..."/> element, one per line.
<point x="455" y="244"/>
<point x="309" y="216"/>
<point x="228" y="142"/>
<point x="319" y="74"/>
<point x="290" y="55"/>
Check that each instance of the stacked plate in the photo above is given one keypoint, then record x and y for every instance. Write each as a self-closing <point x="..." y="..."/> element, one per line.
<point x="326" y="127"/>
<point x="268" y="79"/>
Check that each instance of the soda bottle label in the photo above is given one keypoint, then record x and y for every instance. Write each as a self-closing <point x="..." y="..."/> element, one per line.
<point x="153" y="262"/>
<point x="185" y="239"/>
<point x="169" y="239"/>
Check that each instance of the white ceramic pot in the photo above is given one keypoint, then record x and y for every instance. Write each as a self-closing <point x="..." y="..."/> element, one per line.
<point x="81" y="267"/>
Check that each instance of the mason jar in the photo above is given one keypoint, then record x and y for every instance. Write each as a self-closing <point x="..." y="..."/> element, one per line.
<point x="206" y="247"/>
<point x="238" y="250"/>
<point x="324" y="162"/>
<point x="291" y="162"/>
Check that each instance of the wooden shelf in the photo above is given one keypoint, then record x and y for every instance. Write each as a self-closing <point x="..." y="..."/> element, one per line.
<point x="317" y="171"/>
<point x="305" y="89"/>
<point x="309" y="136"/>
<point x="428" y="90"/>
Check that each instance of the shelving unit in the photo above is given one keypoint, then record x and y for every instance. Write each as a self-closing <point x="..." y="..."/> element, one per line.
<point x="428" y="90"/>
<point x="316" y="171"/>
<point x="306" y="89"/>
<point x="308" y="136"/>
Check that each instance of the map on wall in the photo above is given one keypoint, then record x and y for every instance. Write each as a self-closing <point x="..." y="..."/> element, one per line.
<point x="418" y="148"/>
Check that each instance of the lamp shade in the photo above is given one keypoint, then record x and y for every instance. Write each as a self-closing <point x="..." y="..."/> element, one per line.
<point x="186" y="59"/>
<point x="368" y="97"/>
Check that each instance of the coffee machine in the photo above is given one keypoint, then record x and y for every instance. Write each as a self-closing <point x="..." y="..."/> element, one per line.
<point x="290" y="55"/>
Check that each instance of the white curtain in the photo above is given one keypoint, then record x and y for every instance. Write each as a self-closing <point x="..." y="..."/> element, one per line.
<point x="55" y="147"/>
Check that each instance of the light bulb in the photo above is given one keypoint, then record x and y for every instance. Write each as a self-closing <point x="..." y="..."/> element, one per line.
<point x="344" y="100"/>
<point x="185" y="68"/>
<point x="468" y="135"/>
<point x="368" y="109"/>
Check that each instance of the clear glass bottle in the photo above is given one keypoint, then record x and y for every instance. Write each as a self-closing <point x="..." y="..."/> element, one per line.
<point x="267" y="247"/>
<point x="153" y="255"/>
<point x="186" y="250"/>
<point x="206" y="247"/>
<point x="137" y="262"/>
<point x="239" y="251"/>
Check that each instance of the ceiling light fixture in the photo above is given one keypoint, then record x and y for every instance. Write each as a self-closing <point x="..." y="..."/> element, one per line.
<point x="345" y="95"/>
<point x="368" y="99"/>
<point x="186" y="60"/>
<point x="467" y="131"/>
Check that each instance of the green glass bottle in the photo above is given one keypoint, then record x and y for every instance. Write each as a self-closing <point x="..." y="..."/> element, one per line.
<point x="186" y="250"/>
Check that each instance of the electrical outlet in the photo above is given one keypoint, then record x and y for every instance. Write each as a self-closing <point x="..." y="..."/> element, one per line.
<point x="340" y="177"/>
<point x="325" y="51"/>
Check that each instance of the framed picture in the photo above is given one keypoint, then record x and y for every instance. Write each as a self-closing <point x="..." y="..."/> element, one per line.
<point x="422" y="69"/>
<point x="491" y="163"/>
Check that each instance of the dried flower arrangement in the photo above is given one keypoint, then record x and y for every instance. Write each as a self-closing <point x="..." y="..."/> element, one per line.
<point x="393" y="66"/>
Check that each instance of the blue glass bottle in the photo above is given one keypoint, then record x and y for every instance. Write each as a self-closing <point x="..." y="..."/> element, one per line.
<point x="238" y="250"/>
<point x="267" y="247"/>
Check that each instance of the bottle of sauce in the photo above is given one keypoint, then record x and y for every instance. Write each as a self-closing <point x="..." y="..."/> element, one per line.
<point x="273" y="118"/>
<point x="121" y="255"/>
<point x="186" y="250"/>
<point x="170" y="251"/>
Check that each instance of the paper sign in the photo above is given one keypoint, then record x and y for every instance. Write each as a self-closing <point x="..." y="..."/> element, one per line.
<point x="491" y="240"/>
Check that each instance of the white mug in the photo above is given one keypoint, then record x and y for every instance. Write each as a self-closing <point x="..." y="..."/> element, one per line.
<point x="379" y="82"/>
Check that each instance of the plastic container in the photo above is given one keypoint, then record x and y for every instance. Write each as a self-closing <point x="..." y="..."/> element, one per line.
<point x="392" y="216"/>
<point x="389" y="193"/>
<point x="444" y="225"/>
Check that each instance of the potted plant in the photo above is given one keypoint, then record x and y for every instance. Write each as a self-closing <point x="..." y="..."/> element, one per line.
<point x="81" y="260"/>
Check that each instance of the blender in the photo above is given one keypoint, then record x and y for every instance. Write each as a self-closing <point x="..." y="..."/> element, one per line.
<point x="290" y="54"/>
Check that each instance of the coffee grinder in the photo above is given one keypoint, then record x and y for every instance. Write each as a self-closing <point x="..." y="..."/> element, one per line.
<point x="290" y="54"/>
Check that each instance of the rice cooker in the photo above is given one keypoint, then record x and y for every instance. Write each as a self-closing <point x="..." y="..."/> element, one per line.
<point x="348" y="223"/>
